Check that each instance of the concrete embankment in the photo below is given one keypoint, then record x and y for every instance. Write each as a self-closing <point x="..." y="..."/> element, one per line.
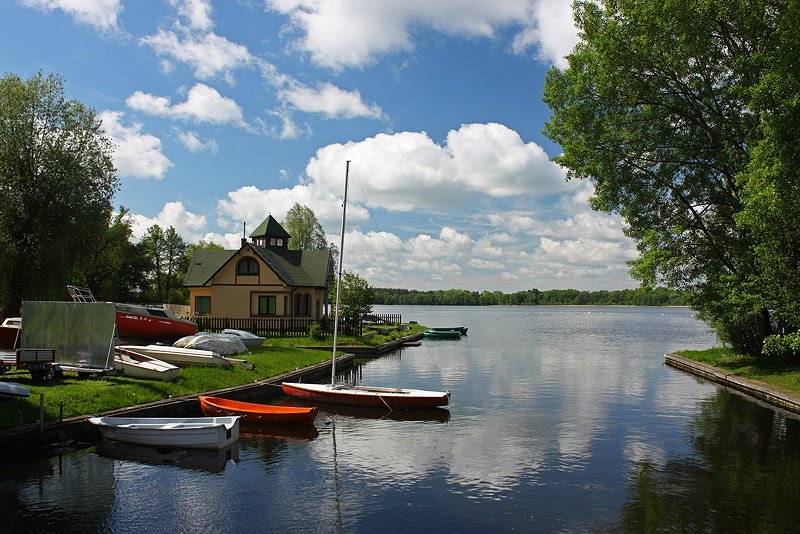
<point x="773" y="395"/>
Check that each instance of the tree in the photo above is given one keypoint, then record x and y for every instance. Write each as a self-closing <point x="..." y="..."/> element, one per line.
<point x="305" y="231"/>
<point x="356" y="297"/>
<point x="166" y="251"/>
<point x="57" y="183"/>
<point x="115" y="267"/>
<point x="657" y="110"/>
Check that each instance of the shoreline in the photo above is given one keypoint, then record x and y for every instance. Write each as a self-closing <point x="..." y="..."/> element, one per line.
<point x="772" y="395"/>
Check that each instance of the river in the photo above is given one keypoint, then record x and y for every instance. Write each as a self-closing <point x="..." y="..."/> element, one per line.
<point x="562" y="419"/>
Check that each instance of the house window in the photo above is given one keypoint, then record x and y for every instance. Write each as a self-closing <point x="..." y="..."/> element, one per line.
<point x="202" y="305"/>
<point x="302" y="304"/>
<point x="247" y="266"/>
<point x="267" y="304"/>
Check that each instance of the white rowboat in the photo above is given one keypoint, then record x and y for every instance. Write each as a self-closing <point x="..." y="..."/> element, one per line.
<point x="12" y="389"/>
<point x="138" y="365"/>
<point x="190" y="432"/>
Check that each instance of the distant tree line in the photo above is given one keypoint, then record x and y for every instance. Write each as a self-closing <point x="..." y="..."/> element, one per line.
<point x="658" y="296"/>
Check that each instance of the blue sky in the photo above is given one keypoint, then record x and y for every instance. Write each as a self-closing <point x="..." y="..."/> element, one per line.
<point x="224" y="112"/>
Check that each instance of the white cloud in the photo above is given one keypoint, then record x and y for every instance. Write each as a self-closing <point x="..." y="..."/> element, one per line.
<point x="197" y="12"/>
<point x="136" y="154"/>
<point x="209" y="54"/>
<point x="202" y="104"/>
<point x="408" y="170"/>
<point x="194" y="144"/>
<point x="102" y="14"/>
<point x="189" y="225"/>
<point x="375" y="29"/>
<point x="330" y="101"/>
<point x="550" y="30"/>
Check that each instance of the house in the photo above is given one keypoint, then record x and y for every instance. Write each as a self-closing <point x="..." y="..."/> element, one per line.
<point x="262" y="278"/>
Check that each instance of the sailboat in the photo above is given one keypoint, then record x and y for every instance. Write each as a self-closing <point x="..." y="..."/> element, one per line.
<point x="392" y="398"/>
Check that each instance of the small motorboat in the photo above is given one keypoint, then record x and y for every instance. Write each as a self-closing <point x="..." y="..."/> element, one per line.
<point x="191" y="432"/>
<point x="12" y="389"/>
<point x="138" y="365"/>
<point x="258" y="413"/>
<point x="461" y="329"/>
<point x="442" y="334"/>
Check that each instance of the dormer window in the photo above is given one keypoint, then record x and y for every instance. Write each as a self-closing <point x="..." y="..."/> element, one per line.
<point x="276" y="241"/>
<point x="247" y="267"/>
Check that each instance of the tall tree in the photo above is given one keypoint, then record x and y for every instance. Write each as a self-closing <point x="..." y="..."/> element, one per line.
<point x="656" y="108"/>
<point x="57" y="183"/>
<point x="356" y="296"/>
<point x="115" y="268"/>
<point x="305" y="230"/>
<point x="166" y="251"/>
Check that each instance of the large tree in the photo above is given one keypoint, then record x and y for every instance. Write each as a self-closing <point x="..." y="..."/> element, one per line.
<point x="305" y="230"/>
<point x="166" y="251"/>
<point x="657" y="109"/>
<point x="115" y="268"/>
<point x="57" y="183"/>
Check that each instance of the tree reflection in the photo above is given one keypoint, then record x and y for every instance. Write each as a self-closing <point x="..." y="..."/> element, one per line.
<point x="744" y="475"/>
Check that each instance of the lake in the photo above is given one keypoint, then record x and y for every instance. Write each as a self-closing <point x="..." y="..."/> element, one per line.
<point x="562" y="419"/>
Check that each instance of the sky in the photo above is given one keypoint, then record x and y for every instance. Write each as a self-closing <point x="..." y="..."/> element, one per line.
<point x="225" y="112"/>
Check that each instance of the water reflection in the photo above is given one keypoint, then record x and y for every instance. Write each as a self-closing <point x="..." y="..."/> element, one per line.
<point x="742" y="476"/>
<point x="212" y="461"/>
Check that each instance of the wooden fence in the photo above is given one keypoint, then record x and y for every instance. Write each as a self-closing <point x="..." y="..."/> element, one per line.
<point x="288" y="326"/>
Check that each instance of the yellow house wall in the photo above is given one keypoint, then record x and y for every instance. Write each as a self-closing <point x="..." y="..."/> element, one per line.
<point x="233" y="295"/>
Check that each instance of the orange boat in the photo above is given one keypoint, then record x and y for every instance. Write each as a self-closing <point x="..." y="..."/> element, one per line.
<point x="258" y="413"/>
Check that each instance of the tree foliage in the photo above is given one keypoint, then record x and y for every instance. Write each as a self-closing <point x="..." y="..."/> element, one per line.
<point x="669" y="108"/>
<point x="115" y="267"/>
<point x="643" y="296"/>
<point x="305" y="230"/>
<point x="166" y="252"/>
<point x="356" y="297"/>
<point x="57" y="183"/>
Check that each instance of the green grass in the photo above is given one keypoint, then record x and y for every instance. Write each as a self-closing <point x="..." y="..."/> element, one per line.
<point x="85" y="396"/>
<point x="778" y="374"/>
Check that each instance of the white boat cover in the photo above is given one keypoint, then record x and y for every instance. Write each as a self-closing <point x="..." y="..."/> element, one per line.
<point x="222" y="344"/>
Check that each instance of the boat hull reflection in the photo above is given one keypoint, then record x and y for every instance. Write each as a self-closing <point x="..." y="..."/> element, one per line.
<point x="210" y="460"/>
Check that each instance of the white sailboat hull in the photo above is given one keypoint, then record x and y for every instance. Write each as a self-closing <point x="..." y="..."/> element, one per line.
<point x="180" y="356"/>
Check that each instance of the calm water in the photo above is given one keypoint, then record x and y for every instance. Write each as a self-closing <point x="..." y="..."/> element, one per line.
<point x="561" y="420"/>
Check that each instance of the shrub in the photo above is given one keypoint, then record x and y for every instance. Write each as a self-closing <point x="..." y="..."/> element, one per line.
<point x="786" y="348"/>
<point x="315" y="331"/>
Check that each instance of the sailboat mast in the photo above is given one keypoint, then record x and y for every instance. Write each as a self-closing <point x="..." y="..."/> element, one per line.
<point x="339" y="278"/>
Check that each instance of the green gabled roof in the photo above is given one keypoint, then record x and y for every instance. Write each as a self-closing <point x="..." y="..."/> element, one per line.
<point x="298" y="267"/>
<point x="295" y="267"/>
<point x="204" y="265"/>
<point x="270" y="227"/>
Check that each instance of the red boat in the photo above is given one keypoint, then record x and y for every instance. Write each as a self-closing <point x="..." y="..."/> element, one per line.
<point x="392" y="398"/>
<point x="257" y="413"/>
<point x="141" y="322"/>
<point x="10" y="333"/>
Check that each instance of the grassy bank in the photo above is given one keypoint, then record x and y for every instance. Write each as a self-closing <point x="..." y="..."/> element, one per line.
<point x="773" y="373"/>
<point x="84" y="396"/>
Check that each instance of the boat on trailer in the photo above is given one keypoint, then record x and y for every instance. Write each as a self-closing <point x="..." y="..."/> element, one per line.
<point x="190" y="432"/>
<point x="179" y="356"/>
<point x="392" y="398"/>
<point x="258" y="413"/>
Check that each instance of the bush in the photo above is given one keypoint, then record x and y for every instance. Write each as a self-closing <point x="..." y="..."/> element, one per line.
<point x="785" y="348"/>
<point x="315" y="331"/>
